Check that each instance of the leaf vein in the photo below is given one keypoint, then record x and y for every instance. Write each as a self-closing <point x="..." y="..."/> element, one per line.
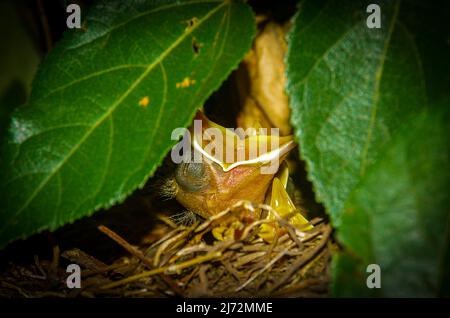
<point x="92" y="75"/>
<point x="376" y="95"/>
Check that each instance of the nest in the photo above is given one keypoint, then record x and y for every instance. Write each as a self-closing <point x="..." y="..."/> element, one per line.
<point x="186" y="261"/>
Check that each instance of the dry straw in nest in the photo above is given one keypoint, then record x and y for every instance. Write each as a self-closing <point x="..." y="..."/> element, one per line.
<point x="187" y="261"/>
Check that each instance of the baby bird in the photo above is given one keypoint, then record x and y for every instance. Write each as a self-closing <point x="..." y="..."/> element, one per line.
<point x="211" y="185"/>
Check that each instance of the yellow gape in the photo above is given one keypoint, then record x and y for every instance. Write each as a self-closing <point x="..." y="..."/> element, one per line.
<point x="280" y="201"/>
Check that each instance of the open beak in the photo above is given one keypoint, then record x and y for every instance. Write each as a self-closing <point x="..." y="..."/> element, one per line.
<point x="230" y="149"/>
<point x="233" y="169"/>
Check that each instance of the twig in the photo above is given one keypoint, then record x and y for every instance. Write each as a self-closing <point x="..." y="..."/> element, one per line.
<point x="304" y="259"/>
<point x="168" y="268"/>
<point x="268" y="265"/>
<point x="127" y="246"/>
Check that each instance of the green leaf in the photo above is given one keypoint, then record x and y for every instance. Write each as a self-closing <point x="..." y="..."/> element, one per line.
<point x="351" y="87"/>
<point x="367" y="108"/>
<point x="405" y="227"/>
<point x="85" y="141"/>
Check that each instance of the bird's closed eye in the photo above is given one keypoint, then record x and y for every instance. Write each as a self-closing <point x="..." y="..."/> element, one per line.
<point x="192" y="176"/>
